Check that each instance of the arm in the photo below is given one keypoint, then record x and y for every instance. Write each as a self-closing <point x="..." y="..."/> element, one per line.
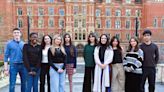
<point x="39" y="58"/>
<point x="96" y="56"/>
<point x="156" y="55"/>
<point x="75" y="57"/>
<point x="6" y="56"/>
<point x="50" y="60"/>
<point x="84" y="54"/>
<point x="25" y="57"/>
<point x="108" y="56"/>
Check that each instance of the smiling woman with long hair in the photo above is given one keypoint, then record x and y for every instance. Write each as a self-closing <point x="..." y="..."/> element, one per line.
<point x="57" y="58"/>
<point x="71" y="58"/>
<point x="103" y="55"/>
<point x="44" y="73"/>
<point x="132" y="65"/>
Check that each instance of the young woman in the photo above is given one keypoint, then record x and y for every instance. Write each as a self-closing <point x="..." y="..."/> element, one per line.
<point x="71" y="58"/>
<point x="89" y="63"/>
<point x="46" y="43"/>
<point x="118" y="75"/>
<point x="32" y="60"/>
<point x="103" y="55"/>
<point x="57" y="58"/>
<point x="132" y="65"/>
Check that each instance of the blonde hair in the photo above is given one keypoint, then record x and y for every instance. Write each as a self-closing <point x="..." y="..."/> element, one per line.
<point x="54" y="46"/>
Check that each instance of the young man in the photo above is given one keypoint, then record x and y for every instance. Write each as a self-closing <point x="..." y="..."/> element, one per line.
<point x="13" y="54"/>
<point x="151" y="57"/>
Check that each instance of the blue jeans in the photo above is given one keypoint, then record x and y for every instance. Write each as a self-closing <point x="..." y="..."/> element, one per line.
<point x="32" y="81"/>
<point x="57" y="80"/>
<point x="14" y="69"/>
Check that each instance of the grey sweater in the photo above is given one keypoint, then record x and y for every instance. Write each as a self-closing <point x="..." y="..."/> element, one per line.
<point x="151" y="54"/>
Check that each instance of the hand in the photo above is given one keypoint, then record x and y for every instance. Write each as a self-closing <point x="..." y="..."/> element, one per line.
<point x="103" y="66"/>
<point x="74" y="70"/>
<point x="30" y="73"/>
<point x="60" y="70"/>
<point x="6" y="72"/>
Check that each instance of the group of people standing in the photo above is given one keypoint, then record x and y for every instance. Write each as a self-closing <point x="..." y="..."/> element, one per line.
<point x="110" y="68"/>
<point x="107" y="69"/>
<point x="48" y="61"/>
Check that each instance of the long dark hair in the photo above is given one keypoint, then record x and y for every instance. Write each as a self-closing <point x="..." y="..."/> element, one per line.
<point x="118" y="45"/>
<point x="72" y="51"/>
<point x="136" y="47"/>
<point x="43" y="44"/>
<point x="107" y="43"/>
<point x="93" y="35"/>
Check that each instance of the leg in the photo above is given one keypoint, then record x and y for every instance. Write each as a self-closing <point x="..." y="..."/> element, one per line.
<point x="13" y="74"/>
<point x="151" y="80"/>
<point x="35" y="81"/>
<point x="54" y="80"/>
<point x="143" y="79"/>
<point x="61" y="82"/>
<point x="70" y="81"/>
<point x="114" y="85"/>
<point x="23" y="76"/>
<point x="48" y="77"/>
<point x="87" y="80"/>
<point x="42" y="78"/>
<point x="29" y="82"/>
<point x="121" y="78"/>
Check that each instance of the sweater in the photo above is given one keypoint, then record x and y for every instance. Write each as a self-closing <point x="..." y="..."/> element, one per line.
<point x="88" y="55"/>
<point x="71" y="59"/>
<point x="58" y="57"/>
<point x="151" y="54"/>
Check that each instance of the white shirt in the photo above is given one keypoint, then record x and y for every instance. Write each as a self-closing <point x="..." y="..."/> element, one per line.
<point x="45" y="55"/>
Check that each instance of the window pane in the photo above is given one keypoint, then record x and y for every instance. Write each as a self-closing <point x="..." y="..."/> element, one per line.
<point x="108" y="1"/>
<point x="117" y="24"/>
<point x="84" y="23"/>
<point x="29" y="11"/>
<point x="127" y="24"/>
<point x="19" y="11"/>
<point x="50" y="1"/>
<point x="40" y="11"/>
<point x="50" y="10"/>
<point x="61" y="23"/>
<point x="162" y="23"/>
<point x="75" y="10"/>
<point x="40" y="23"/>
<point x="20" y="23"/>
<point x="98" y="12"/>
<point x="107" y="12"/>
<point x="128" y="12"/>
<point x="108" y="24"/>
<point x="76" y="23"/>
<point x="51" y="22"/>
<point x="118" y="12"/>
<point x="61" y="12"/>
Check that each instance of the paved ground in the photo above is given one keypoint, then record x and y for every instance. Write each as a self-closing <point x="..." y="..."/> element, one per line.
<point x="77" y="82"/>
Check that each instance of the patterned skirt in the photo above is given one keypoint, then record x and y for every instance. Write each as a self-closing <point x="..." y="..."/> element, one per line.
<point x="69" y="69"/>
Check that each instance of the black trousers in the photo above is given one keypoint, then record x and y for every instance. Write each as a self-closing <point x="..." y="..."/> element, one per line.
<point x="132" y="82"/>
<point x="148" y="72"/>
<point x="88" y="79"/>
<point x="43" y="73"/>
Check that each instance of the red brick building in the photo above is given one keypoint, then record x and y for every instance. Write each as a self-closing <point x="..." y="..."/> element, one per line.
<point x="80" y="17"/>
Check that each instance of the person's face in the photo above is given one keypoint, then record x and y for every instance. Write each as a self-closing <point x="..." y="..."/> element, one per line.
<point x="147" y="37"/>
<point x="91" y="39"/>
<point x="34" y="38"/>
<point x="103" y="39"/>
<point x="115" y="43"/>
<point x="16" y="34"/>
<point x="133" y="43"/>
<point x="58" y="41"/>
<point x="67" y="39"/>
<point x="47" y="40"/>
